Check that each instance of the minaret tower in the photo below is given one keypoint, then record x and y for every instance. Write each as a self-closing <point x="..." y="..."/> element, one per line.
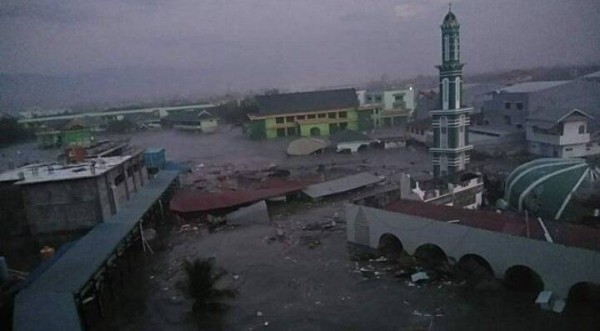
<point x="451" y="120"/>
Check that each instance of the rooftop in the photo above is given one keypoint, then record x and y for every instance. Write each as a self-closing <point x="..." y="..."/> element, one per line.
<point x="511" y="224"/>
<point x="557" y="114"/>
<point x="49" y="172"/>
<point x="306" y="101"/>
<point x="529" y="87"/>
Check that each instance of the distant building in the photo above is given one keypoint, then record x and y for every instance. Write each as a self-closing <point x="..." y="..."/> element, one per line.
<point x="72" y="134"/>
<point x="200" y="121"/>
<point x="389" y="107"/>
<point x="315" y="113"/>
<point x="509" y="107"/>
<point x="68" y="198"/>
<point x="560" y="133"/>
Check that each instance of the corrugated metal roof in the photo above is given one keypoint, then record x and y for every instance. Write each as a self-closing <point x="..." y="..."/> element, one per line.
<point x="47" y="311"/>
<point x="52" y="293"/>
<point x="197" y="201"/>
<point x="340" y="185"/>
<point x="306" y="101"/>
<point x="528" y="87"/>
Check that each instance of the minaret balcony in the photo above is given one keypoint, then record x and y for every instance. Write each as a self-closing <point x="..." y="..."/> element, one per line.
<point x="464" y="148"/>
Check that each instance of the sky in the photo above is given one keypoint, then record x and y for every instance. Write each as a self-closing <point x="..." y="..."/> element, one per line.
<point x="292" y="44"/>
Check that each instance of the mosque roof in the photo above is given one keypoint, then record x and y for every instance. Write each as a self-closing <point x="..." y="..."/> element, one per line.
<point x="546" y="186"/>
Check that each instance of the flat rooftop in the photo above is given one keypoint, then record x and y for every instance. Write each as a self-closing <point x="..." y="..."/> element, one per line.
<point x="50" y="172"/>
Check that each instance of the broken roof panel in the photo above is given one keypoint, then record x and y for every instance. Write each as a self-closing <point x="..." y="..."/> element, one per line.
<point x="193" y="201"/>
<point x="306" y="146"/>
<point x="341" y="185"/>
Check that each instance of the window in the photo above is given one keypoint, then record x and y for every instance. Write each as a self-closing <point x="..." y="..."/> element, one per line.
<point x="378" y="98"/>
<point x="331" y="115"/>
<point x="369" y="99"/>
<point x="446" y="48"/>
<point x="291" y="131"/>
<point x="457" y="92"/>
<point x="456" y="47"/>
<point x="119" y="179"/>
<point x="445" y="89"/>
<point x="444" y="132"/>
<point x="311" y="116"/>
<point x="519" y="105"/>
<point x="300" y="117"/>
<point x="581" y="129"/>
<point x="507" y="120"/>
<point x="343" y="126"/>
<point x="399" y="97"/>
<point x="278" y="120"/>
<point x="322" y="115"/>
<point x="507" y="105"/>
<point x="342" y="114"/>
<point x="280" y="132"/>
<point x="333" y="127"/>
<point x="289" y="119"/>
<point x="568" y="149"/>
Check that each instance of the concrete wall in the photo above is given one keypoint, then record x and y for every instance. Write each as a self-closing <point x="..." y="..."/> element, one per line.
<point x="560" y="267"/>
<point x="494" y="112"/>
<point x="62" y="206"/>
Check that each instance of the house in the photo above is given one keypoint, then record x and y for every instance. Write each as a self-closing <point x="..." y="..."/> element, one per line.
<point x="314" y="113"/>
<point x="60" y="198"/>
<point x="420" y="131"/>
<point x="389" y="107"/>
<point x="200" y="121"/>
<point x="560" y="132"/>
<point x="73" y="133"/>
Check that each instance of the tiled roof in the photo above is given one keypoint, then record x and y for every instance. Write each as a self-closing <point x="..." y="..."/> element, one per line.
<point x="511" y="224"/>
<point x="306" y="101"/>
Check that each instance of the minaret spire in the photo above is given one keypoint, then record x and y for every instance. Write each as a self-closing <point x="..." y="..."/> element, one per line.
<point x="450" y="121"/>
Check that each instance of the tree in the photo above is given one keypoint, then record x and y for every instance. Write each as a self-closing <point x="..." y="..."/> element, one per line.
<point x="200" y="285"/>
<point x="11" y="131"/>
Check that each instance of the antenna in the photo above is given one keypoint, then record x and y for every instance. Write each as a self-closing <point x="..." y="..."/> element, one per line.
<point x="449" y="6"/>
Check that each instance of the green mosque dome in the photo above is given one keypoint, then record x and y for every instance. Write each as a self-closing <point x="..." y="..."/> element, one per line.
<point x="546" y="187"/>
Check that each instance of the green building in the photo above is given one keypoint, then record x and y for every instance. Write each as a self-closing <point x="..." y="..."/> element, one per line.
<point x="315" y="113"/>
<point x="450" y="121"/>
<point x="74" y="133"/>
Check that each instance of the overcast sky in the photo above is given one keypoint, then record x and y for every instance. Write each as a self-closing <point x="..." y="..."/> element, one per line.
<point x="291" y="43"/>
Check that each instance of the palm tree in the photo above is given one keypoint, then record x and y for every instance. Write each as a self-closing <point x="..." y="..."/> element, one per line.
<point x="200" y="285"/>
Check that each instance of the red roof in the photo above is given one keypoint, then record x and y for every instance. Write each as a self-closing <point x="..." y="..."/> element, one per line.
<point x="511" y="224"/>
<point x="191" y="201"/>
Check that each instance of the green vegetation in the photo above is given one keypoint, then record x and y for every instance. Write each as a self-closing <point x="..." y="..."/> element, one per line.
<point x="12" y="132"/>
<point x="200" y="285"/>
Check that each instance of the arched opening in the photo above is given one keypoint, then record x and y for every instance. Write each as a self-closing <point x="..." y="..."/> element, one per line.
<point x="474" y="269"/>
<point x="430" y="256"/>
<point x="583" y="306"/>
<point x="524" y="279"/>
<point x="585" y="293"/>
<point x="390" y="246"/>
<point x="315" y="132"/>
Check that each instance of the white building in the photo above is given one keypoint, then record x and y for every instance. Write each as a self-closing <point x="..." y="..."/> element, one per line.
<point x="560" y="133"/>
<point x="392" y="107"/>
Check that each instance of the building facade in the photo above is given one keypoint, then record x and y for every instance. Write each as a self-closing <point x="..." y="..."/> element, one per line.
<point x="315" y="113"/>
<point x="388" y="107"/>
<point x="450" y="121"/>
<point x="560" y="133"/>
<point x="69" y="198"/>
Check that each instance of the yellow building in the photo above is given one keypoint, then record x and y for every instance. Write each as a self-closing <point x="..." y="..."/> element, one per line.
<point x="315" y="113"/>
